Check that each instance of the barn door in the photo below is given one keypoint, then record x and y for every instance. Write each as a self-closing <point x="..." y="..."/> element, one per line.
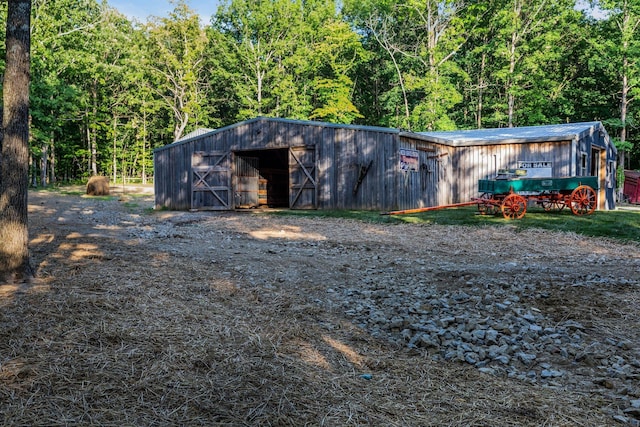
<point x="211" y="180"/>
<point x="302" y="177"/>
<point x="247" y="177"/>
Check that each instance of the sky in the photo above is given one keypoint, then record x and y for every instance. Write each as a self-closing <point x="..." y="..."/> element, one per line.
<point x="142" y="9"/>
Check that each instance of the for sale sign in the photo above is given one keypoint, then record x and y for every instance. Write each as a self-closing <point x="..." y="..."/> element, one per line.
<point x="537" y="169"/>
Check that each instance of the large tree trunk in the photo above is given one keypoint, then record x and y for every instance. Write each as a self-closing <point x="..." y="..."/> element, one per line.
<point x="14" y="161"/>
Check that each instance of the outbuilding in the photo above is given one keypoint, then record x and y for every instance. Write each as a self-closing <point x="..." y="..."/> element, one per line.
<point x="631" y="188"/>
<point x="271" y="162"/>
<point x="563" y="150"/>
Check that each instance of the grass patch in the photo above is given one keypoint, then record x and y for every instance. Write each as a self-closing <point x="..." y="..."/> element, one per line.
<point x="134" y="195"/>
<point x="621" y="225"/>
<point x="106" y="197"/>
<point x="70" y="191"/>
<point x="131" y="205"/>
<point x="66" y="191"/>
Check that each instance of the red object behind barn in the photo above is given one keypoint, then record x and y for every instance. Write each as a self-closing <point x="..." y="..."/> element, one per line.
<point x="632" y="186"/>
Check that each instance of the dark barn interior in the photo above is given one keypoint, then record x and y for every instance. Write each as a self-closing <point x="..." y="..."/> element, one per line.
<point x="262" y="178"/>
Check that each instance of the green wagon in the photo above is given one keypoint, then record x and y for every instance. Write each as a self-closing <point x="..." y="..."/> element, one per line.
<point x="510" y="194"/>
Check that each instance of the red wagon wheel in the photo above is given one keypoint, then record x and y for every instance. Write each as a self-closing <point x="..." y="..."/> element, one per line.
<point x="554" y="203"/>
<point x="486" y="204"/>
<point x="583" y="200"/>
<point x="514" y="206"/>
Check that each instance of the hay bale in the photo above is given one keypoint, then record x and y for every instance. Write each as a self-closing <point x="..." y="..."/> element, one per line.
<point x="98" y="186"/>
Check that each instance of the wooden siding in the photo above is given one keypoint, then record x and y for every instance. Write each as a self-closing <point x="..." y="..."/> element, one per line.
<point x="450" y="174"/>
<point x="482" y="162"/>
<point x="447" y="173"/>
<point x="340" y="152"/>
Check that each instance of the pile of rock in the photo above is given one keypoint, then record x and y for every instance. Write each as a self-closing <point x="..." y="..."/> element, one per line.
<point x="495" y="330"/>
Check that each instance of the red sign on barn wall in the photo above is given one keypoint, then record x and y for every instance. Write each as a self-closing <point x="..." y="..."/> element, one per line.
<point x="409" y="160"/>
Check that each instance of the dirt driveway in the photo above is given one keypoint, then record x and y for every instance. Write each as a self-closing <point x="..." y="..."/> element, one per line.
<point x="145" y="317"/>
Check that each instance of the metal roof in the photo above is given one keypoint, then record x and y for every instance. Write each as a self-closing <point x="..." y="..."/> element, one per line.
<point x="560" y="132"/>
<point x="197" y="132"/>
<point x="459" y="138"/>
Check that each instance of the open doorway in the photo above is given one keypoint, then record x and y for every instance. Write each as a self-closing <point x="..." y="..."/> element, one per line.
<point x="599" y="169"/>
<point x="595" y="162"/>
<point x="261" y="179"/>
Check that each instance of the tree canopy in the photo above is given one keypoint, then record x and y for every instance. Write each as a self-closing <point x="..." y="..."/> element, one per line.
<point x="106" y="90"/>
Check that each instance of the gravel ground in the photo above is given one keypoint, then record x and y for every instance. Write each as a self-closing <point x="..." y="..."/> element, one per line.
<point x="554" y="311"/>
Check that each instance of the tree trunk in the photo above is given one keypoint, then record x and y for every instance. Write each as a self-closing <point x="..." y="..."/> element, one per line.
<point x="511" y="99"/>
<point x="93" y="135"/>
<point x="624" y="105"/>
<point x="14" y="160"/>
<point x="384" y="40"/>
<point x="52" y="152"/>
<point x="52" y="161"/>
<point x="144" y="147"/>
<point x="519" y="31"/>
<point x="181" y="123"/>
<point x="33" y="170"/>
<point x="114" y="177"/>
<point x="44" y="163"/>
<point x="481" y="87"/>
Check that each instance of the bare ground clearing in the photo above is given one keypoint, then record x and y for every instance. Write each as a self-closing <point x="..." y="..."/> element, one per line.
<point x="178" y="318"/>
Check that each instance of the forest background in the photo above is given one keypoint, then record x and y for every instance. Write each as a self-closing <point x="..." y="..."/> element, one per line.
<point x="106" y="90"/>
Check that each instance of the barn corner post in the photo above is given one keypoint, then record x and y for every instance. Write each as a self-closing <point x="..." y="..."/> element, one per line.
<point x="14" y="140"/>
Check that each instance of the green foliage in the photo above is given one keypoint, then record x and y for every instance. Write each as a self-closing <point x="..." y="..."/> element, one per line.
<point x="285" y="58"/>
<point x="334" y="96"/>
<point x="175" y="55"/>
<point x="336" y="54"/>
<point x="258" y="45"/>
<point x="418" y="41"/>
<point x="106" y="91"/>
